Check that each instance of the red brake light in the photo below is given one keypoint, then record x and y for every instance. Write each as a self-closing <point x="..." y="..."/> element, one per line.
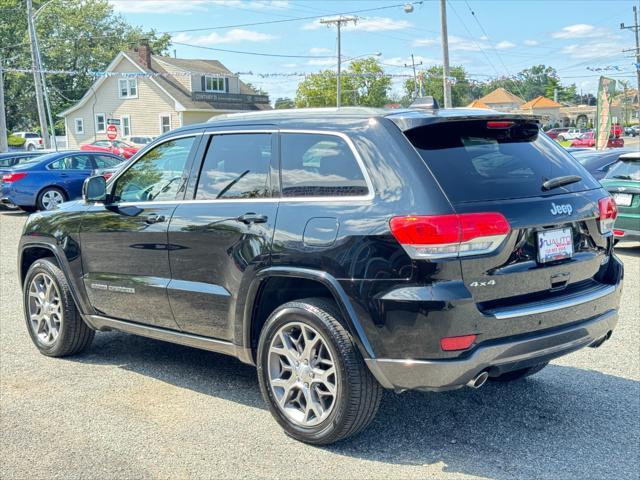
<point x="12" y="177"/>
<point x="39" y="141"/>
<point x="500" y="124"/>
<point x="608" y="213"/>
<point x="457" y="343"/>
<point x="439" y="236"/>
<point x="618" y="233"/>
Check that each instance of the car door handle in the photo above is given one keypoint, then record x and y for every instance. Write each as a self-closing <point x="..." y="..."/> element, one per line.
<point x="153" y="218"/>
<point x="64" y="174"/>
<point x="250" y="217"/>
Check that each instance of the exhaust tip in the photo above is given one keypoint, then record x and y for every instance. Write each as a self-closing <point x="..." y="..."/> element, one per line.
<point x="479" y="380"/>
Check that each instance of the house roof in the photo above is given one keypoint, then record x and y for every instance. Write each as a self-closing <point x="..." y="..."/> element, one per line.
<point x="168" y="85"/>
<point x="478" y="104"/>
<point x="500" y="95"/>
<point x="540" y="102"/>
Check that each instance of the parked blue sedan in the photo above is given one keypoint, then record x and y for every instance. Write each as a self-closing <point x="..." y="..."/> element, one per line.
<point x="46" y="181"/>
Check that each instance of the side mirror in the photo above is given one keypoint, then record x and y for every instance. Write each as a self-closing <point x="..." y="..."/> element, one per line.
<point x="94" y="189"/>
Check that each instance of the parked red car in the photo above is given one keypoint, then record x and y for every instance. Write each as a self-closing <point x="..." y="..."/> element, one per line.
<point x="616" y="130"/>
<point x="589" y="140"/>
<point x="112" y="146"/>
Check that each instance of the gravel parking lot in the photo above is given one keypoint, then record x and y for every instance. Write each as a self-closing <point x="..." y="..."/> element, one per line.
<point x="133" y="407"/>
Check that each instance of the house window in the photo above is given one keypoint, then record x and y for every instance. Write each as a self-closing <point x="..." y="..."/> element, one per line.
<point x="128" y="88"/>
<point x="101" y="123"/>
<point x="165" y="123"/>
<point x="213" y="84"/>
<point x="79" y="126"/>
<point x="125" y="124"/>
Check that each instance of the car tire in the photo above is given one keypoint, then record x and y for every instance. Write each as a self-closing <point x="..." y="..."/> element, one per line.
<point x="50" y="197"/>
<point x="519" y="374"/>
<point x="53" y="321"/>
<point x="31" y="148"/>
<point x="356" y="393"/>
<point x="27" y="208"/>
<point x="561" y="138"/>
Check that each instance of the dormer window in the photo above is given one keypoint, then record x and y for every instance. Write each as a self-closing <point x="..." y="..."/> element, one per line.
<point x="213" y="84"/>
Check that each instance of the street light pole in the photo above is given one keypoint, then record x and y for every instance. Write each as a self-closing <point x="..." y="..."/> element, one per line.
<point x="445" y="54"/>
<point x="635" y="27"/>
<point x="37" y="78"/>
<point x="338" y="22"/>
<point x="415" y="77"/>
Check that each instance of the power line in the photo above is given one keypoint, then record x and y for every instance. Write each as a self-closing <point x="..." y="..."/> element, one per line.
<point x="260" y="54"/>
<point x="296" y="19"/>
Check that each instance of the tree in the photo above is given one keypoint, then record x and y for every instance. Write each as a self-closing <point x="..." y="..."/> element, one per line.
<point x="285" y="102"/>
<point x="363" y="83"/>
<point x="73" y="36"/>
<point x="461" y="90"/>
<point x="258" y="90"/>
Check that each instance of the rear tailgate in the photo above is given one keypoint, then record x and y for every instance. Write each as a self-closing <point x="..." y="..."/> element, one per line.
<point x="554" y="247"/>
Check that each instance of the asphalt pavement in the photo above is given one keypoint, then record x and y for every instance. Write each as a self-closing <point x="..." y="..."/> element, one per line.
<point x="137" y="408"/>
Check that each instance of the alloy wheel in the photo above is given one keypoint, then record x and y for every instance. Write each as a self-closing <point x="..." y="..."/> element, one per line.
<point x="51" y="199"/>
<point x="45" y="308"/>
<point x="302" y="374"/>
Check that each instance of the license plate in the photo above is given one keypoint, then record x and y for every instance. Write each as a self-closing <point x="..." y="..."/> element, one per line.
<point x="623" y="199"/>
<point x="555" y="245"/>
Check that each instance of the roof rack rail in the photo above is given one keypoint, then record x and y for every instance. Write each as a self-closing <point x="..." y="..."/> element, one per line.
<point x="426" y="103"/>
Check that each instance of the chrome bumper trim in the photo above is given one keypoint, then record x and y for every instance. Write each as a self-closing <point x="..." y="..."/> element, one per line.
<point x="550" y="306"/>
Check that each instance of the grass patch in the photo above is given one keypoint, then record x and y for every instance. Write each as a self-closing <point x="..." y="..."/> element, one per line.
<point x="564" y="143"/>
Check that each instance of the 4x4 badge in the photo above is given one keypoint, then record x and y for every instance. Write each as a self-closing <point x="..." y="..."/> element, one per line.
<point x="482" y="284"/>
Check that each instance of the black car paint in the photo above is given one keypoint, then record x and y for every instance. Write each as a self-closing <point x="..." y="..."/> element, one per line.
<point x="202" y="271"/>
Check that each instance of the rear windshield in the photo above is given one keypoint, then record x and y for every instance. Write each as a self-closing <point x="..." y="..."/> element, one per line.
<point x="473" y="162"/>
<point x="627" y="170"/>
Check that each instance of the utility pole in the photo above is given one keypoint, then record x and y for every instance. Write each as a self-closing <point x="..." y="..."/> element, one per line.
<point x="37" y="78"/>
<point x="445" y="54"/>
<point x="415" y="78"/>
<point x="3" y="120"/>
<point x="635" y="27"/>
<point x="338" y="23"/>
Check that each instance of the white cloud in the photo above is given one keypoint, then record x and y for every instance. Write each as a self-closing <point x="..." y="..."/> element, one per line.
<point x="531" y="43"/>
<point x="606" y="49"/>
<point x="580" y="30"/>
<point x="318" y="50"/>
<point x="402" y="61"/>
<point x="232" y="36"/>
<point x="371" y="24"/>
<point x="322" y="61"/>
<point x="503" y="45"/>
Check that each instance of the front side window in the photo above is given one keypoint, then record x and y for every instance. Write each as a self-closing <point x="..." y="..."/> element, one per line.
<point x="318" y="165"/>
<point x="79" y="126"/>
<point x="236" y="166"/>
<point x="157" y="175"/>
<point x="72" y="162"/>
<point x="127" y="88"/>
<point x="213" y="84"/>
<point x="101" y="123"/>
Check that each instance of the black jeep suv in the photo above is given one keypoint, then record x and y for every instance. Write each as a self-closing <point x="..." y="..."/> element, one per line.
<point x="340" y="251"/>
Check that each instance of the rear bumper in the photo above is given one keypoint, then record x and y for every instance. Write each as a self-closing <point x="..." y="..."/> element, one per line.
<point x="495" y="357"/>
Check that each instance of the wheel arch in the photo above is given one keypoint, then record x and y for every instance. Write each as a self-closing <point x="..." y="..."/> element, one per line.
<point x="52" y="185"/>
<point x="32" y="252"/>
<point x="308" y="283"/>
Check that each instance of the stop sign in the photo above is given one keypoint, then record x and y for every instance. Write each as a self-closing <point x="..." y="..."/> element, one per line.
<point x="112" y="132"/>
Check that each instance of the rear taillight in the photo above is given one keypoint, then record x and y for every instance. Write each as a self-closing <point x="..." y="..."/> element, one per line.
<point x="12" y="177"/>
<point x="441" y="236"/>
<point x="608" y="213"/>
<point x="618" y="233"/>
<point x="457" y="343"/>
<point x="39" y="141"/>
<point x="500" y="124"/>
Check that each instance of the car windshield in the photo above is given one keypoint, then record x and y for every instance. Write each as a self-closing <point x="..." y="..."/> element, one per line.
<point x="626" y="170"/>
<point x="591" y="160"/>
<point x="13" y="161"/>
<point x="121" y="144"/>
<point x="28" y="163"/>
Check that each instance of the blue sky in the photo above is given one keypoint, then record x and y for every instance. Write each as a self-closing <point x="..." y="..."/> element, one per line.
<point x="502" y="38"/>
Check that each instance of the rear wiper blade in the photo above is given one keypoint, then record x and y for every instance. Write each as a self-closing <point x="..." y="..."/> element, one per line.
<point x="622" y="177"/>
<point x="560" y="181"/>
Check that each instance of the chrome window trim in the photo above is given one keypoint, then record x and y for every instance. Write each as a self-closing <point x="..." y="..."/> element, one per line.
<point x="330" y="199"/>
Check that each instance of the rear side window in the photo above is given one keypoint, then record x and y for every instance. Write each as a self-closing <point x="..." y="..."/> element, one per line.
<point x="473" y="162"/>
<point x="236" y="166"/>
<point x="317" y="165"/>
<point x="72" y="162"/>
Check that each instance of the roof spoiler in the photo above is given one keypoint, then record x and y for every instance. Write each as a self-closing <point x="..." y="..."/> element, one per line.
<point x="425" y="103"/>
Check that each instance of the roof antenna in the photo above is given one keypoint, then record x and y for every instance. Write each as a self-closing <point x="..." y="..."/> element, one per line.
<point x="425" y="103"/>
